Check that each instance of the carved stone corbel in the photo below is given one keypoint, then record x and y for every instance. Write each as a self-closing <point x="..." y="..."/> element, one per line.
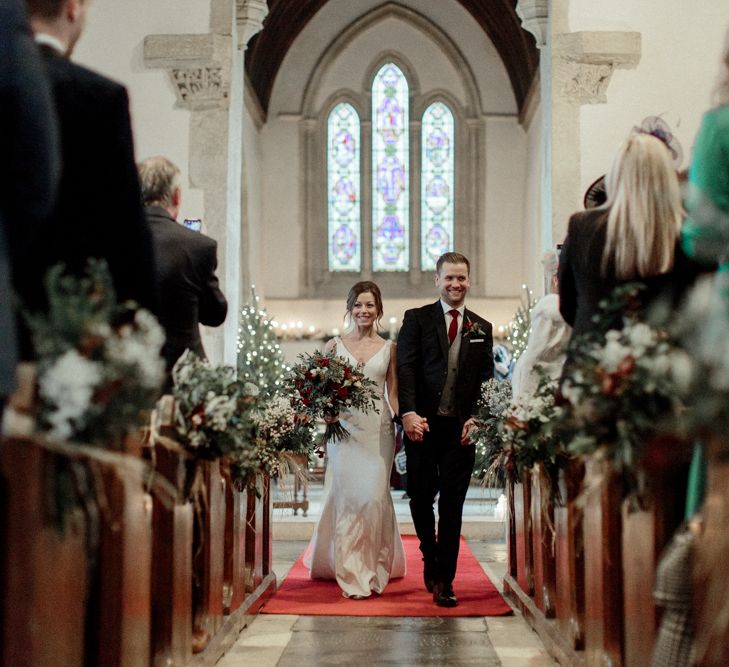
<point x="586" y="61"/>
<point x="534" y="15"/>
<point x="249" y="16"/>
<point x="198" y="67"/>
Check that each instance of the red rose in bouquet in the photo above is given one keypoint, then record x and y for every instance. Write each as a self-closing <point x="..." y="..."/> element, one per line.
<point x="323" y="385"/>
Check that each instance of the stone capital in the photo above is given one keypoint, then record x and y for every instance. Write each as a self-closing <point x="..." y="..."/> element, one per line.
<point x="534" y="15"/>
<point x="198" y="67"/>
<point x="585" y="62"/>
<point x="249" y="16"/>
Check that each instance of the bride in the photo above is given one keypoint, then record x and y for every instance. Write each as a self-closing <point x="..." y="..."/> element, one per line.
<point x="357" y="541"/>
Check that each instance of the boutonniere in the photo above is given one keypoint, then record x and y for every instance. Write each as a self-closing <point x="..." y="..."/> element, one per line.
<point x="471" y="328"/>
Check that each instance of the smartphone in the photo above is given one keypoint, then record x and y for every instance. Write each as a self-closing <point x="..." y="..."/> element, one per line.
<point x="195" y="224"/>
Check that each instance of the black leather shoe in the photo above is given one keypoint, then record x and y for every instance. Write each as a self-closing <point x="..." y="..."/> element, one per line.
<point x="444" y="596"/>
<point x="430" y="577"/>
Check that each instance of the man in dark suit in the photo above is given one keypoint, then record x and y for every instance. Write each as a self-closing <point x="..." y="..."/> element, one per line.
<point x="444" y="354"/>
<point x="186" y="262"/>
<point x="28" y="170"/>
<point x="99" y="210"/>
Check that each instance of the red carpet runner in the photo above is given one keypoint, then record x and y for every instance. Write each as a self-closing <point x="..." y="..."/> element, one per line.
<point x="403" y="597"/>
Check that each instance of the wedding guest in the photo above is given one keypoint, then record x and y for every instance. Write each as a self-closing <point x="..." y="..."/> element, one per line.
<point x="548" y="337"/>
<point x="99" y="208"/>
<point x="186" y="261"/>
<point x="632" y="237"/>
<point x="28" y="169"/>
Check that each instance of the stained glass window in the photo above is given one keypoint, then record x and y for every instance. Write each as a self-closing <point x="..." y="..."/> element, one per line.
<point x="343" y="187"/>
<point x="390" y="171"/>
<point x="436" y="184"/>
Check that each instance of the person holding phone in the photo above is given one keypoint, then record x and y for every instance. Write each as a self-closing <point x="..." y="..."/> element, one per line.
<point x="186" y="261"/>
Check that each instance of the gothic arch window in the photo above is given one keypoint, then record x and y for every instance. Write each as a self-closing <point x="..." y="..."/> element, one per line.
<point x="437" y="184"/>
<point x="390" y="179"/>
<point x="391" y="182"/>
<point x="390" y="170"/>
<point x="344" y="215"/>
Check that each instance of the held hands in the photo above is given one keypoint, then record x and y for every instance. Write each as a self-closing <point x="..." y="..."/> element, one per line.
<point x="466" y="432"/>
<point x="414" y="426"/>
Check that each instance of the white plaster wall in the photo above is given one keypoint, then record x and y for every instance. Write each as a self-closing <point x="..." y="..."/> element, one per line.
<point x="533" y="243"/>
<point x="681" y="44"/>
<point x="503" y="231"/>
<point x="281" y="232"/>
<point x="112" y="45"/>
<point x="252" y="213"/>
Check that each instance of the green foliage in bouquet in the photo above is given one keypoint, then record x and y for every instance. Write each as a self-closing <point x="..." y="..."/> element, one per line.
<point x="214" y="408"/>
<point x="260" y="358"/>
<point x="322" y="385"/>
<point x="99" y="364"/>
<point x="622" y="390"/>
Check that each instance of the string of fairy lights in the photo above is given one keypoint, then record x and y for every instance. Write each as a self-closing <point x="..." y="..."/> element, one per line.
<point x="517" y="331"/>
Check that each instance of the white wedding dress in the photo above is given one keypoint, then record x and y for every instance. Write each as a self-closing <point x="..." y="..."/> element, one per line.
<point x="357" y="541"/>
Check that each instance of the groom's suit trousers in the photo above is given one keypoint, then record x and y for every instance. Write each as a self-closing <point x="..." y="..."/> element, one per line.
<point x="439" y="462"/>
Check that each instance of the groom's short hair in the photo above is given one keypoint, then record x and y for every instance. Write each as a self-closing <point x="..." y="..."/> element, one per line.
<point x="452" y="258"/>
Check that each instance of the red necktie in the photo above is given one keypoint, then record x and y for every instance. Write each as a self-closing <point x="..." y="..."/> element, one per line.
<point x="453" y="328"/>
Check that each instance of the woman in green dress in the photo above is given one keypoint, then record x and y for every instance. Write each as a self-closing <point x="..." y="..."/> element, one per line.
<point x="705" y="237"/>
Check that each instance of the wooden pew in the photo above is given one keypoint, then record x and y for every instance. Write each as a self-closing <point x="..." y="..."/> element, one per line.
<point x="172" y="529"/>
<point x="43" y="575"/>
<point x="543" y="541"/>
<point x="208" y="549"/>
<point x="569" y="554"/>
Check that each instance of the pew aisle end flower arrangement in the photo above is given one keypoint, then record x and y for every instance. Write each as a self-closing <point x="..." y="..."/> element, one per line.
<point x="514" y="435"/>
<point x="624" y="395"/>
<point x="99" y="365"/>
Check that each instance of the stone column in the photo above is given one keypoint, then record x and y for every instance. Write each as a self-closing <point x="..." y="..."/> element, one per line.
<point x="207" y="75"/>
<point x="575" y="69"/>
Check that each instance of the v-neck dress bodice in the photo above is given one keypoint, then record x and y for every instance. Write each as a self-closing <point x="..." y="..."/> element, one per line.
<point x="357" y="541"/>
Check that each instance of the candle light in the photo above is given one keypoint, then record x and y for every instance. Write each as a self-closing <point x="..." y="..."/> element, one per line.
<point x="393" y="324"/>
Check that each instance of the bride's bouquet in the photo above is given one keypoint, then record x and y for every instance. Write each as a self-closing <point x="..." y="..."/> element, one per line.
<point x="323" y="384"/>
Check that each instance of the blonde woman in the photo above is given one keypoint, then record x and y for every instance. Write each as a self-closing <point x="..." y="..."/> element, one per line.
<point x="632" y="237"/>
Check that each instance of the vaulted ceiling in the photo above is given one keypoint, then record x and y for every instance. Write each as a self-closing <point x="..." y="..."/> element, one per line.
<point x="287" y="18"/>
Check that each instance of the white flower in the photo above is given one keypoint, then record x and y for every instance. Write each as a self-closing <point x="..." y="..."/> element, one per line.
<point x="250" y="389"/>
<point x="641" y="336"/>
<point x="572" y="393"/>
<point x="69" y="385"/>
<point x="682" y="370"/>
<point x="612" y="354"/>
<point x="219" y="410"/>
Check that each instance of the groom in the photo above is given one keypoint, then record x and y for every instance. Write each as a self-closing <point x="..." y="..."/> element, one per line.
<point x="444" y="353"/>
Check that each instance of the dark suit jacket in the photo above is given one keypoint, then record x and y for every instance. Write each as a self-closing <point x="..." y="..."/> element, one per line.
<point x="422" y="362"/>
<point x="29" y="166"/>
<point x="99" y="211"/>
<point x="186" y="283"/>
<point x="582" y="283"/>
